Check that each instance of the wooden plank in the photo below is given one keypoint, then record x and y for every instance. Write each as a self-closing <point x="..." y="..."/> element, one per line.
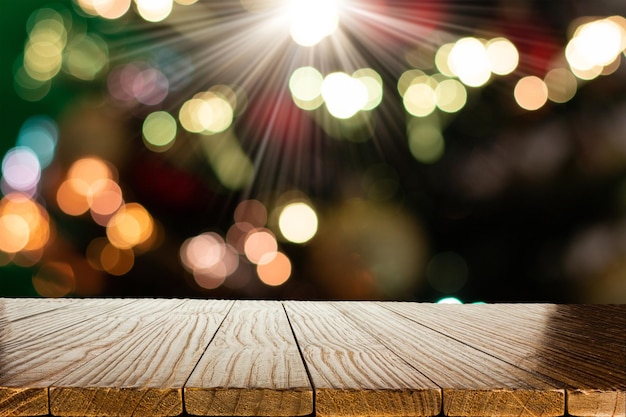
<point x="251" y="368"/>
<point x="36" y="350"/>
<point x="13" y="309"/>
<point x="143" y="372"/>
<point x="353" y="374"/>
<point x="474" y="383"/>
<point x="582" y="346"/>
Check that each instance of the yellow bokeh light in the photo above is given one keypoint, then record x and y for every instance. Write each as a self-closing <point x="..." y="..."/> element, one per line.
<point x="298" y="222"/>
<point x="312" y="21"/>
<point x="43" y="60"/>
<point x="561" y="84"/>
<point x="275" y="272"/>
<point x="344" y="96"/>
<point x="531" y="93"/>
<point x="407" y="78"/>
<point x="88" y="172"/>
<point x="186" y="2"/>
<point x="425" y="142"/>
<point x="130" y="226"/>
<point x="305" y="85"/>
<point x="469" y="61"/>
<point x="260" y="246"/>
<point x="596" y="43"/>
<point x="374" y="85"/>
<point x="159" y="130"/>
<point x="85" y="57"/>
<point x="503" y="56"/>
<point x="442" y="59"/>
<point x="154" y="10"/>
<point x="111" y="9"/>
<point x="451" y="96"/>
<point x="206" y="113"/>
<point x="420" y="99"/>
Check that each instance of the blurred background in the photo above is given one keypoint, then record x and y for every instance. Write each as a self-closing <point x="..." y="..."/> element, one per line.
<point x="459" y="151"/>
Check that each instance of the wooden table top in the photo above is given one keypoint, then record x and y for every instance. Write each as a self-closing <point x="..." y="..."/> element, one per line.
<point x="167" y="357"/>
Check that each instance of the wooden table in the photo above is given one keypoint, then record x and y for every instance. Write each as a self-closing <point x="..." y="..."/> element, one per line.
<point x="167" y="357"/>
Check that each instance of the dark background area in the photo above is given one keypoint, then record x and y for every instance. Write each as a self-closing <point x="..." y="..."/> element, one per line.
<point x="522" y="206"/>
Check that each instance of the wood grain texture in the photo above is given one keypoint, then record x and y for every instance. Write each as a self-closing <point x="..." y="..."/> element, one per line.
<point x="251" y="368"/>
<point x="474" y="383"/>
<point x="352" y="372"/>
<point x="582" y="346"/>
<point x="36" y="350"/>
<point x="143" y="372"/>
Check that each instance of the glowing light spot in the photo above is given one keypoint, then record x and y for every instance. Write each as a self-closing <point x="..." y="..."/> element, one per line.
<point x="69" y="200"/>
<point x="206" y="113"/>
<point x="116" y="261"/>
<point x="502" y="55"/>
<point x="449" y="300"/>
<point x="252" y="212"/>
<point x="451" y="96"/>
<point x="43" y="59"/>
<point x="106" y="201"/>
<point x="35" y="217"/>
<point x="14" y="233"/>
<point x="312" y="21"/>
<point x="442" y="59"/>
<point x="587" y="74"/>
<point x="202" y="252"/>
<point x="469" y="61"/>
<point x="425" y="142"/>
<point x="344" y="95"/>
<point x="260" y="246"/>
<point x="94" y="252"/>
<point x="374" y="85"/>
<point x="85" y="57"/>
<point x="111" y="9"/>
<point x="130" y="226"/>
<point x="186" y="2"/>
<point x="154" y="10"/>
<point x="88" y="172"/>
<point x="150" y="86"/>
<point x="54" y="279"/>
<point x="21" y="169"/>
<point x="597" y="43"/>
<point x="531" y="93"/>
<point x="40" y="134"/>
<point x="28" y="88"/>
<point x="275" y="272"/>
<point x="305" y="85"/>
<point x="159" y="131"/>
<point x="420" y="99"/>
<point x="298" y="222"/>
<point x="561" y="84"/>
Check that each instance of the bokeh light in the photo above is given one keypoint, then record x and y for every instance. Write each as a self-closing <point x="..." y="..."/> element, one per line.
<point x="251" y="212"/>
<point x="21" y="169"/>
<point x="130" y="226"/>
<point x="206" y="113"/>
<point x="40" y="134"/>
<point x="595" y="44"/>
<point x="561" y="84"/>
<point x="344" y="95"/>
<point x="531" y="93"/>
<point x="470" y="61"/>
<point x="154" y="10"/>
<point x="451" y="96"/>
<point x="159" y="130"/>
<point x="305" y="85"/>
<point x="85" y="57"/>
<point x="502" y="55"/>
<point x="312" y="21"/>
<point x="298" y="222"/>
<point x="420" y="99"/>
<point x="260" y="246"/>
<point x="426" y="142"/>
<point x="54" y="279"/>
<point x="275" y="272"/>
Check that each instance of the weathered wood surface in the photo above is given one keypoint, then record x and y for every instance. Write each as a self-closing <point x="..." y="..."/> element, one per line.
<point x="213" y="357"/>
<point x="581" y="346"/>
<point x="38" y="349"/>
<point x="473" y="382"/>
<point x="142" y="373"/>
<point x="251" y="368"/>
<point x="352" y="372"/>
